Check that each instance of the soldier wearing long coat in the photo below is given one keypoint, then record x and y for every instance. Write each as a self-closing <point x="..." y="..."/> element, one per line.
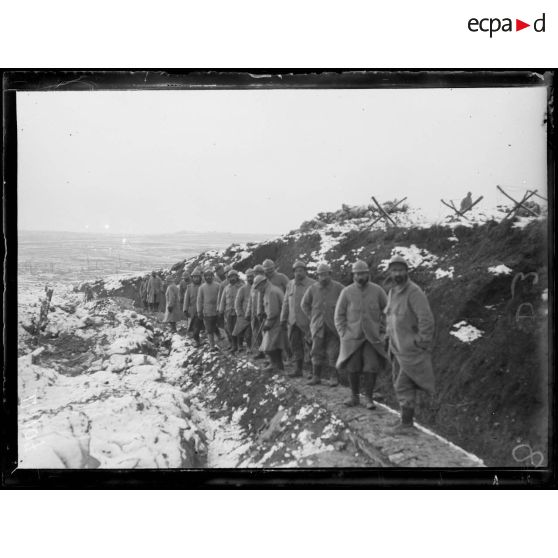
<point x="154" y="286"/>
<point x="227" y="307"/>
<point x="190" y="308"/>
<point x="274" y="336"/>
<point x="294" y="319"/>
<point x="360" y="322"/>
<point x="173" y="312"/>
<point x="207" y="305"/>
<point x="242" y="328"/>
<point x="182" y="286"/>
<point x="252" y="314"/>
<point x="318" y="303"/>
<point x="410" y="333"/>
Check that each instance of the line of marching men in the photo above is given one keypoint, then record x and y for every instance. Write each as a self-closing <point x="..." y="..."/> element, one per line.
<point x="358" y="329"/>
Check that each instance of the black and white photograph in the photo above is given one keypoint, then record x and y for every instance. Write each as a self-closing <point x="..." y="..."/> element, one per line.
<point x="271" y="272"/>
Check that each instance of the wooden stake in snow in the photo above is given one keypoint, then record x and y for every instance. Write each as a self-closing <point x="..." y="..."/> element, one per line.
<point x="518" y="204"/>
<point x="385" y="214"/>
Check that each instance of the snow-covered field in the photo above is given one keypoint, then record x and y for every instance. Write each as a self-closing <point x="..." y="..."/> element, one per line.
<point x="106" y="407"/>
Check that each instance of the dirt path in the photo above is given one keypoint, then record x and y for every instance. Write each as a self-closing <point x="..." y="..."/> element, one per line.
<point x="236" y="384"/>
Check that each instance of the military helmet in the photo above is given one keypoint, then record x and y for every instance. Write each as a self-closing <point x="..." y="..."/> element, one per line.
<point x="268" y="264"/>
<point x="360" y="267"/>
<point x="197" y="271"/>
<point x="259" y="280"/>
<point x="259" y="269"/>
<point x="299" y="263"/>
<point x="249" y="271"/>
<point x="398" y="259"/>
<point x="323" y="268"/>
<point x="232" y="272"/>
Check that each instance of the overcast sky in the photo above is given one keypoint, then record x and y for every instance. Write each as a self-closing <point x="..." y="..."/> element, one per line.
<point x="264" y="161"/>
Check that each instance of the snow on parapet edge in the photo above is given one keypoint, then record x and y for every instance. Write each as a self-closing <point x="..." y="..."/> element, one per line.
<point x="500" y="270"/>
<point x="332" y="233"/>
<point x="465" y="332"/>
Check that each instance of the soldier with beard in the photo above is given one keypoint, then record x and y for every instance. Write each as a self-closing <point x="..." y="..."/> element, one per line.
<point x="360" y="322"/>
<point x="410" y="331"/>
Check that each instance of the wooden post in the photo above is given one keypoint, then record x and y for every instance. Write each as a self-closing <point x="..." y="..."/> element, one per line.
<point x="384" y="214"/>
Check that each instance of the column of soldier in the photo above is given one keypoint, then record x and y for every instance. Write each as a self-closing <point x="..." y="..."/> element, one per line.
<point x="358" y="329"/>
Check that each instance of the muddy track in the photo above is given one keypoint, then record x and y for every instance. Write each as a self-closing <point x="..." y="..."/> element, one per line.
<point x="278" y="415"/>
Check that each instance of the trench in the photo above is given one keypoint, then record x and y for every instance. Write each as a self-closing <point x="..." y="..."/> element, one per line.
<point x="152" y="399"/>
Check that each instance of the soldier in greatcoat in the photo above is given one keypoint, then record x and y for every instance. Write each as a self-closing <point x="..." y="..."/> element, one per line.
<point x="360" y="322"/>
<point x="253" y="315"/>
<point x="293" y="319"/>
<point x="173" y="311"/>
<point x="273" y="343"/>
<point x="242" y="328"/>
<point x="227" y="307"/>
<point x="318" y="303"/>
<point x="207" y="305"/>
<point x="154" y="286"/>
<point x="410" y="333"/>
<point x="190" y="309"/>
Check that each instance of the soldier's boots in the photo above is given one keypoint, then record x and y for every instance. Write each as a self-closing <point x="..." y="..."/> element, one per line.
<point x="334" y="377"/>
<point x="369" y="394"/>
<point x="354" y="399"/>
<point x="406" y="426"/>
<point x="297" y="373"/>
<point x="316" y="373"/>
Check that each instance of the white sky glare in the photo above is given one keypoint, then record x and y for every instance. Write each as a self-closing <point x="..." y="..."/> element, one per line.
<point x="265" y="161"/>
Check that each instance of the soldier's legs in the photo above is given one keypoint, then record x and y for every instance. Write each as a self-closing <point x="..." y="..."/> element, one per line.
<point x="247" y="335"/>
<point x="332" y="353"/>
<point x="406" y="392"/>
<point x="318" y="356"/>
<point x="210" y="323"/>
<point x="196" y="328"/>
<point x="296" y="342"/>
<point x="354" y="369"/>
<point x="230" y="323"/>
<point x="371" y="366"/>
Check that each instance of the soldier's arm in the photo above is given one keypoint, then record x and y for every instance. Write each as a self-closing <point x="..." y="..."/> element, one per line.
<point x="340" y="316"/>
<point x="199" y="301"/>
<point x="249" y="305"/>
<point x="306" y="302"/>
<point x="285" y="308"/>
<point x="186" y="302"/>
<point x="221" y="300"/>
<point x="420" y="306"/>
<point x="383" y="303"/>
<point x="239" y="301"/>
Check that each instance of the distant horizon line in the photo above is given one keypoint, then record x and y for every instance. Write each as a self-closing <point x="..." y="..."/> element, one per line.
<point x="117" y="233"/>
